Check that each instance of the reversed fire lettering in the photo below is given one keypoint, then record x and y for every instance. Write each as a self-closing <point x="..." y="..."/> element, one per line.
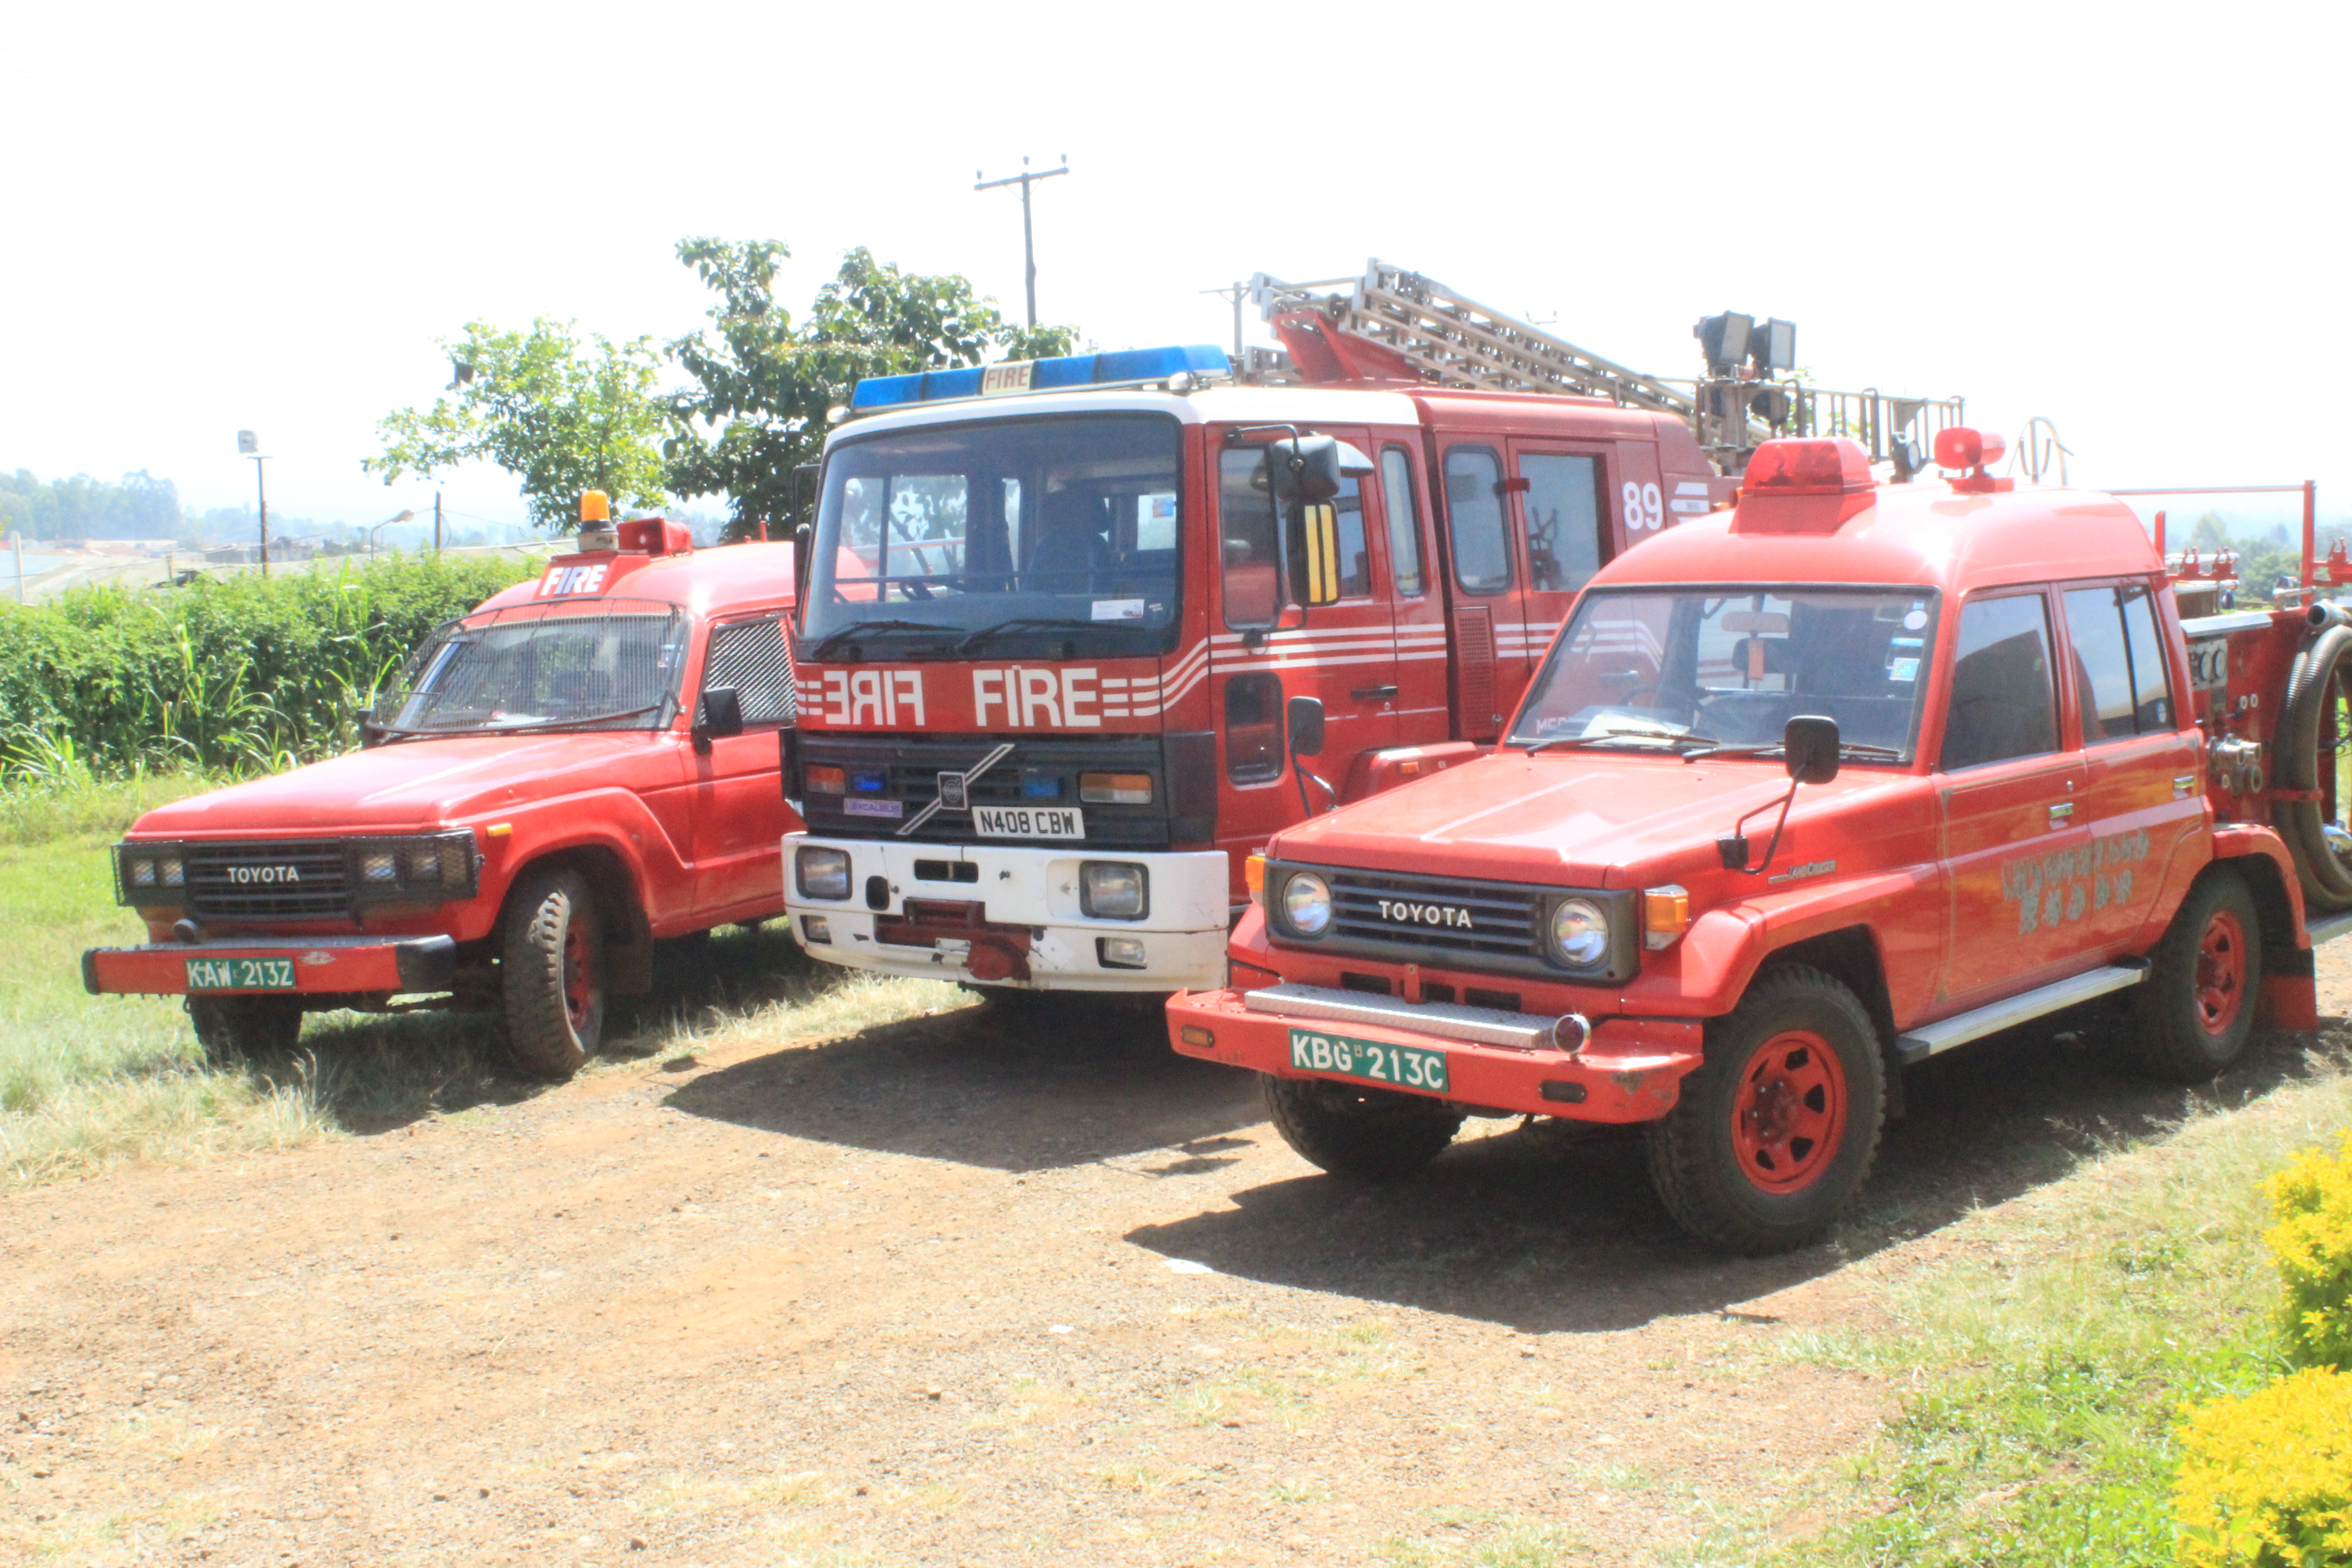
<point x="2051" y="890"/>
<point x="887" y="697"/>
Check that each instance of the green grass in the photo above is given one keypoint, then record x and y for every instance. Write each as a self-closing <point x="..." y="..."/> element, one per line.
<point x="2049" y="1355"/>
<point x="87" y="1083"/>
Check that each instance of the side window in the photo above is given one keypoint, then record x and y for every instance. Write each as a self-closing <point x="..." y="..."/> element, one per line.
<point x="750" y="656"/>
<point x="2151" y="671"/>
<point x="1253" y="728"/>
<point x="1563" y="504"/>
<point x="1474" y="511"/>
<point x="1355" y="553"/>
<point x="2002" y="703"/>
<point x="1404" y="520"/>
<point x="1246" y="543"/>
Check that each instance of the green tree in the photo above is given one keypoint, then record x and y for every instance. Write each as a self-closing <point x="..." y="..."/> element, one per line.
<point x="560" y="415"/>
<point x="756" y="411"/>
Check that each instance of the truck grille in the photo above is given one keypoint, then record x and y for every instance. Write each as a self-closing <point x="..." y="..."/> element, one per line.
<point x="1502" y="919"/>
<point x="911" y="766"/>
<point x="319" y="888"/>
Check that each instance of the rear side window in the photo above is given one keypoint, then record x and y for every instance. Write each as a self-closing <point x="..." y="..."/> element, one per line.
<point x="1253" y="728"/>
<point x="1563" y="520"/>
<point x="750" y="656"/>
<point x="1474" y="514"/>
<point x="1405" y="523"/>
<point x="2002" y="704"/>
<point x="2120" y="681"/>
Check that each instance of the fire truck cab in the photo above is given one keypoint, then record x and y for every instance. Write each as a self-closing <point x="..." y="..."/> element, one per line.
<point x="1058" y="617"/>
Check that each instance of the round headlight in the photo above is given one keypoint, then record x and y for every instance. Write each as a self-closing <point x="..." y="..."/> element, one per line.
<point x="1579" y="933"/>
<point x="1306" y="904"/>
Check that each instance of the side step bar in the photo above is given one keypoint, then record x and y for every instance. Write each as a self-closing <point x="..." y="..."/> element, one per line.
<point x="1917" y="1044"/>
<point x="2327" y="928"/>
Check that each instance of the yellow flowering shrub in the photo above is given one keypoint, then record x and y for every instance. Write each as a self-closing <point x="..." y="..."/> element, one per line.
<point x="2267" y="1479"/>
<point x="2313" y="1245"/>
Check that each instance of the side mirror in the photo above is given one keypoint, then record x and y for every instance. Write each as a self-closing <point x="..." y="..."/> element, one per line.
<point x="1303" y="717"/>
<point x="1305" y="469"/>
<point x="1811" y="743"/>
<point x="722" y="715"/>
<point x="801" y="537"/>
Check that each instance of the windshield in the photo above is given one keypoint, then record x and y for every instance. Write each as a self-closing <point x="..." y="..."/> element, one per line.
<point x="545" y="671"/>
<point x="1064" y="526"/>
<point x="1731" y="666"/>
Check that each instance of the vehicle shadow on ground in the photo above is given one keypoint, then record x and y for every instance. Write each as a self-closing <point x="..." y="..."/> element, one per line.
<point x="1546" y="1228"/>
<point x="372" y="1073"/>
<point x="1057" y="1082"/>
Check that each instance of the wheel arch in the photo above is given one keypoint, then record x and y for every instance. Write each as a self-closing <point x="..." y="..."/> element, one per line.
<point x="1850" y="956"/>
<point x="620" y="907"/>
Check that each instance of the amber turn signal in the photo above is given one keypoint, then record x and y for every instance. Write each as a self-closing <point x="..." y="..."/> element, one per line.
<point x="1194" y="1035"/>
<point x="823" y="780"/>
<point x="1254" y="874"/>
<point x="1665" y="915"/>
<point x="1115" y="789"/>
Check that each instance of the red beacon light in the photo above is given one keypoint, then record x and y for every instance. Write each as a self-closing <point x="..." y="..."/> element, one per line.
<point x="1957" y="446"/>
<point x="1808" y="486"/>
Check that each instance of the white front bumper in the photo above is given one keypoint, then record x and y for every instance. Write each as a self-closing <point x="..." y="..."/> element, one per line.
<point x="1184" y="935"/>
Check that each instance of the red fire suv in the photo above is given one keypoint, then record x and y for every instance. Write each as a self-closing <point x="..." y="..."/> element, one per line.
<point x="584" y="765"/>
<point x="1804" y="792"/>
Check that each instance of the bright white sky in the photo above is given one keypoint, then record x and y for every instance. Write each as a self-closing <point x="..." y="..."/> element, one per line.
<point x="2130" y="219"/>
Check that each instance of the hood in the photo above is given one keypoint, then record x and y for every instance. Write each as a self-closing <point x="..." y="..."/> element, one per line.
<point x="423" y="784"/>
<point x="1574" y="819"/>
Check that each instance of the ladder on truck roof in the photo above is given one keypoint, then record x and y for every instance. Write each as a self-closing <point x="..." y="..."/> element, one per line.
<point x="1396" y="325"/>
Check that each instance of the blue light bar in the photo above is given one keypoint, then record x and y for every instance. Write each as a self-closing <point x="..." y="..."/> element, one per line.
<point x="1122" y="368"/>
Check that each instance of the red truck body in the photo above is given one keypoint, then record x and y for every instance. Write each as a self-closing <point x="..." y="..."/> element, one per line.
<point x="1125" y="718"/>
<point x="1601" y="921"/>
<point x="497" y="785"/>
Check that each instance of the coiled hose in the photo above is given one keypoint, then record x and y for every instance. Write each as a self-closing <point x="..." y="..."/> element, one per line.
<point x="2324" y="871"/>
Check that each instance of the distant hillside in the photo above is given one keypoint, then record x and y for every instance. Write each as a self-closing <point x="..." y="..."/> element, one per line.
<point x="140" y="506"/>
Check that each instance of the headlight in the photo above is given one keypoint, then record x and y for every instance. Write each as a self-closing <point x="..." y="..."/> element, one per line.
<point x="170" y="870"/>
<point x="1579" y="933"/>
<point x="380" y="865"/>
<point x="423" y="866"/>
<point x="1114" y="891"/>
<point x="141" y="871"/>
<point x="822" y="873"/>
<point x="1306" y="904"/>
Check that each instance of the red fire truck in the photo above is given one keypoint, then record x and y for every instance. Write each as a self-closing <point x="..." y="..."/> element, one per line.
<point x="581" y="767"/>
<point x="1803" y="792"/>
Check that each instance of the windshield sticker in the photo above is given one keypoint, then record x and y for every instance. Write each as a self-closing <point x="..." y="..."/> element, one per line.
<point x="1118" y="609"/>
<point x="890" y="809"/>
<point x="2050" y="889"/>
<point x="1915" y="620"/>
<point x="1902" y="669"/>
<point x="1905" y="642"/>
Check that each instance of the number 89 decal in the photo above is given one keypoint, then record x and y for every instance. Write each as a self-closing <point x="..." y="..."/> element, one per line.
<point x="1645" y="506"/>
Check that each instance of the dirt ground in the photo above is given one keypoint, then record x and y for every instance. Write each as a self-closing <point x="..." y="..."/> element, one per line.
<point x="976" y="1287"/>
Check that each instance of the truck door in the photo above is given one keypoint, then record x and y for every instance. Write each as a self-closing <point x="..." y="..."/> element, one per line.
<point x="1565" y="534"/>
<point x="2013" y="805"/>
<point x="2143" y="794"/>
<point x="1490" y="633"/>
<point x="1423" y="707"/>
<point x="739" y="811"/>
<point x="1344" y="654"/>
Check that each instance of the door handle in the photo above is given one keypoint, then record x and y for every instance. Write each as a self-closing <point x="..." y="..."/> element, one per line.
<point x="1374" y="693"/>
<point x="2062" y="814"/>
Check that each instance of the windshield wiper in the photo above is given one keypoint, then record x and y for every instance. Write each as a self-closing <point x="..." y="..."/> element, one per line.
<point x="536" y="726"/>
<point x="1023" y="623"/>
<point x="1855" y="748"/>
<point x="1562" y="743"/>
<point x="826" y="644"/>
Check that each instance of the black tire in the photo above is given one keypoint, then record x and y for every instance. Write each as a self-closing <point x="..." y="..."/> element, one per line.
<point x="2193" y="1014"/>
<point x="233" y="1029"/>
<point x="552" y="974"/>
<point x="1358" y="1132"/>
<point x="1770" y="1139"/>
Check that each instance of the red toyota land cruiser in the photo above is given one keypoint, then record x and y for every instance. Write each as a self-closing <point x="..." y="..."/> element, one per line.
<point x="585" y="764"/>
<point x="1804" y="792"/>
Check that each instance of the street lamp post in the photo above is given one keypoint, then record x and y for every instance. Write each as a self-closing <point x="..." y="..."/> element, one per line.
<point x="249" y="445"/>
<point x="1024" y="179"/>
<point x="404" y="516"/>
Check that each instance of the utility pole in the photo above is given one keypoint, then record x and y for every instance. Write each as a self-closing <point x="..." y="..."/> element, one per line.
<point x="1024" y="179"/>
<point x="1236" y="292"/>
<point x="249" y="445"/>
<point x="437" y="524"/>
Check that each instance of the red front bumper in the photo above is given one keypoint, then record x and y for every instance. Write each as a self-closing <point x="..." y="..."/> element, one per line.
<point x="1630" y="1070"/>
<point x="330" y="966"/>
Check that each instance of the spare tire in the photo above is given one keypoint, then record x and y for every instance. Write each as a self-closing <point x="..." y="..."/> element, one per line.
<point x="2304" y="752"/>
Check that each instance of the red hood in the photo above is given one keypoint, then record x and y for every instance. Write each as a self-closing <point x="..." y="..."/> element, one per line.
<point x="422" y="784"/>
<point x="1573" y="819"/>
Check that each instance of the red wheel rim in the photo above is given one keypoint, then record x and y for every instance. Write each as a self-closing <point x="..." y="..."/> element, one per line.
<point x="1788" y="1121"/>
<point x="2220" y="972"/>
<point x="579" y="977"/>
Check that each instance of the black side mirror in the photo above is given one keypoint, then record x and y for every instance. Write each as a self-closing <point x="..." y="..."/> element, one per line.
<point x="1810" y="743"/>
<point x="1305" y="469"/>
<point x="722" y="715"/>
<point x="1303" y="717"/>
